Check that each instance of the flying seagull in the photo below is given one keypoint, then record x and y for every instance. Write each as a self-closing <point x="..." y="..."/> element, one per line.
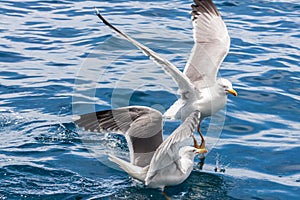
<point x="199" y="87"/>
<point x="155" y="162"/>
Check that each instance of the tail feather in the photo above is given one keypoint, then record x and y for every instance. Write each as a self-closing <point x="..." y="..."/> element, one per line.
<point x="174" y="111"/>
<point x="133" y="170"/>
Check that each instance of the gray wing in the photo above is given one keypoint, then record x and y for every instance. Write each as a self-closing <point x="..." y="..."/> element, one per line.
<point x="183" y="82"/>
<point x="142" y="127"/>
<point x="167" y="152"/>
<point x="211" y="44"/>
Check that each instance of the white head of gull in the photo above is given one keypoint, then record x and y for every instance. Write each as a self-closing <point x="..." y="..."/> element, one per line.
<point x="155" y="162"/>
<point x="199" y="87"/>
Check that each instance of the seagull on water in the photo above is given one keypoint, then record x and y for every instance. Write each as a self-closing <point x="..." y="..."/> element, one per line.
<point x="155" y="162"/>
<point x="199" y="87"/>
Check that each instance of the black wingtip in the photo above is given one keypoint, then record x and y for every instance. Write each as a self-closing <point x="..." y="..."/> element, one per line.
<point x="107" y="23"/>
<point x="96" y="10"/>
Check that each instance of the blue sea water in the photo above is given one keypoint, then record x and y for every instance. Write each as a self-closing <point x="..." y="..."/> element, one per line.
<point x="57" y="59"/>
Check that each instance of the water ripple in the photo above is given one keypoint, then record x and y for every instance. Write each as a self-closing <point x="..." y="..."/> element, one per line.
<point x="56" y="52"/>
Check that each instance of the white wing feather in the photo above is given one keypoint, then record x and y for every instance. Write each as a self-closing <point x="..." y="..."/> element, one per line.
<point x="167" y="152"/>
<point x="211" y="44"/>
<point x="183" y="82"/>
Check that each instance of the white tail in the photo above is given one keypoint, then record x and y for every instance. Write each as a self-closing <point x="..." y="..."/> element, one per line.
<point x="174" y="111"/>
<point x="133" y="170"/>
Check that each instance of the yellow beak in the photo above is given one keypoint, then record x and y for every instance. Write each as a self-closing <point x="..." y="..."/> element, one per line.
<point x="233" y="92"/>
<point x="202" y="150"/>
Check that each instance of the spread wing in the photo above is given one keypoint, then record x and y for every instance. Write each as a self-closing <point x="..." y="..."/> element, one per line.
<point x="142" y="127"/>
<point x="211" y="44"/>
<point x="167" y="152"/>
<point x="183" y="82"/>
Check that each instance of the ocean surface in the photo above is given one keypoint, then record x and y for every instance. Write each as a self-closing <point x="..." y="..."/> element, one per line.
<point x="58" y="60"/>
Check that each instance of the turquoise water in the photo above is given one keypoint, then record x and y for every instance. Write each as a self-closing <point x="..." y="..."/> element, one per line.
<point x="57" y="59"/>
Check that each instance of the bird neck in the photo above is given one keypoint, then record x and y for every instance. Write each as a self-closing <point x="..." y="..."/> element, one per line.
<point x="187" y="164"/>
<point x="186" y="160"/>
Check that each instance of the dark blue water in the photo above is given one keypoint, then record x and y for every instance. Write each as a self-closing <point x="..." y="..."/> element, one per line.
<point x="56" y="59"/>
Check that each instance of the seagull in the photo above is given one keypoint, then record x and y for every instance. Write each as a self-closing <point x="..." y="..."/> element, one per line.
<point x="154" y="162"/>
<point x="199" y="87"/>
